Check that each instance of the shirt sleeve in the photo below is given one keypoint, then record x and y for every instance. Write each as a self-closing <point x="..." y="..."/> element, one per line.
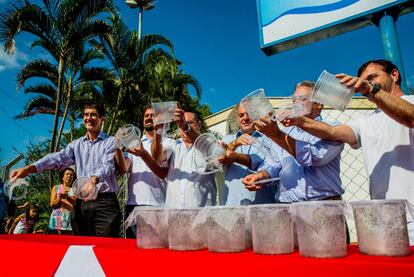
<point x="107" y="166"/>
<point x="313" y="151"/>
<point x="57" y="160"/>
<point x="355" y="125"/>
<point x="271" y="165"/>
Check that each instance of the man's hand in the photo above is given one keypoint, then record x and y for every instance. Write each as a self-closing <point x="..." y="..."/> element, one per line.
<point x="358" y="84"/>
<point x="87" y="192"/>
<point x="249" y="180"/>
<point x="138" y="151"/>
<point x="180" y="119"/>
<point x="267" y="127"/>
<point x="22" y="172"/>
<point x="227" y="158"/>
<point x="298" y="121"/>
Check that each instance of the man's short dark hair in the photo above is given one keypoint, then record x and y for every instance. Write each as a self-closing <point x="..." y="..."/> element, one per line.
<point x="98" y="107"/>
<point x="387" y="66"/>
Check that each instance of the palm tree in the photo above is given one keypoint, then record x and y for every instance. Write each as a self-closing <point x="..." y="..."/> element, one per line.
<point x="60" y="27"/>
<point x="77" y="78"/>
<point x="126" y="56"/>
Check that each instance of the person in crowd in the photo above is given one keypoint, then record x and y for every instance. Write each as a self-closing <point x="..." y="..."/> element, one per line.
<point x="61" y="202"/>
<point x="245" y="154"/>
<point x="145" y="188"/>
<point x="185" y="187"/>
<point x="309" y="166"/>
<point x="93" y="155"/>
<point x="3" y="206"/>
<point x="25" y="222"/>
<point x="386" y="136"/>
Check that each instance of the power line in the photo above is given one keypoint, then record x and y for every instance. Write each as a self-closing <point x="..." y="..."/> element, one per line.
<point x="13" y="98"/>
<point x="18" y="125"/>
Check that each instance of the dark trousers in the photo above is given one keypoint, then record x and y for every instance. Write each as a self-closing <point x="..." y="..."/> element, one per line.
<point x="100" y="217"/>
<point x="129" y="232"/>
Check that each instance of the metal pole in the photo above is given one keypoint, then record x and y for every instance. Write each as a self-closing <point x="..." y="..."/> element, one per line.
<point x="391" y="44"/>
<point x="140" y="23"/>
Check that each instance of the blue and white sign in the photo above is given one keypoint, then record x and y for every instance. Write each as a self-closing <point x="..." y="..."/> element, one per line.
<point x="286" y="24"/>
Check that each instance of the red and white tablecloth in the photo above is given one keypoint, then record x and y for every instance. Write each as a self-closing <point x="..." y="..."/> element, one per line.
<point x="41" y="255"/>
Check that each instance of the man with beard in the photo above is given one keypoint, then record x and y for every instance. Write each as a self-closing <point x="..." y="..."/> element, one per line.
<point x="145" y="188"/>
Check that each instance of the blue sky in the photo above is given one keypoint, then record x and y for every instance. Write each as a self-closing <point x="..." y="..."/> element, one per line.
<point x="219" y="45"/>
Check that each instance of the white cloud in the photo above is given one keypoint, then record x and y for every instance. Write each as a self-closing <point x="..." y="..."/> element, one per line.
<point x="213" y="90"/>
<point x="11" y="61"/>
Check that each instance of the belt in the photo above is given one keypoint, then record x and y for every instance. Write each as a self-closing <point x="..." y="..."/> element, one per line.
<point x="336" y="197"/>
<point x="106" y="195"/>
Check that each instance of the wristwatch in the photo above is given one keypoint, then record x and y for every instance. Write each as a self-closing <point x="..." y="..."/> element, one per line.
<point x="375" y="88"/>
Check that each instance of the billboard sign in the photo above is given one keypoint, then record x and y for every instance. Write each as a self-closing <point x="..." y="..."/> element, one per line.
<point x="287" y="24"/>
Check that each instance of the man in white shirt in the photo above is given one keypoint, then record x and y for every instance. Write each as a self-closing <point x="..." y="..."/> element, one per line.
<point x="145" y="188"/>
<point x="386" y="136"/>
<point x="185" y="187"/>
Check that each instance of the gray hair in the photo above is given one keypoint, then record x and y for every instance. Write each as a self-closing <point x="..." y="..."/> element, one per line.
<point x="305" y="83"/>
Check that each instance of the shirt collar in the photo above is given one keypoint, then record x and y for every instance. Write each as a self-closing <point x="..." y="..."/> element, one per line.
<point x="255" y="134"/>
<point x="145" y="137"/>
<point x="101" y="136"/>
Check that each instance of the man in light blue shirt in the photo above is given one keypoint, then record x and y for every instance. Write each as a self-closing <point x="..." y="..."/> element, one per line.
<point x="245" y="158"/>
<point x="93" y="156"/>
<point x="309" y="166"/>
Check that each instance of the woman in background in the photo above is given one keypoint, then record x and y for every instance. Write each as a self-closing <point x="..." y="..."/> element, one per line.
<point x="61" y="201"/>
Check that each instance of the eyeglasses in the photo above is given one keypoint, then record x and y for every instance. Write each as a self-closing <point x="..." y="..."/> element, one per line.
<point x="301" y="98"/>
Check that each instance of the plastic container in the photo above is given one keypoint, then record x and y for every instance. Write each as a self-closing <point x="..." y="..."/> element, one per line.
<point x="329" y="91"/>
<point x="15" y="190"/>
<point x="129" y="136"/>
<point x="152" y="228"/>
<point x="381" y="227"/>
<point x="226" y="229"/>
<point x="292" y="110"/>
<point x="256" y="104"/>
<point x="205" y="155"/>
<point x="272" y="229"/>
<point x="321" y="228"/>
<point x="81" y="191"/>
<point x="163" y="111"/>
<point x="187" y="229"/>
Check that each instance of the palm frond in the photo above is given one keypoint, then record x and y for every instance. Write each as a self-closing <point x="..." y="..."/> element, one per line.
<point x="43" y="88"/>
<point x="38" y="68"/>
<point x="37" y="105"/>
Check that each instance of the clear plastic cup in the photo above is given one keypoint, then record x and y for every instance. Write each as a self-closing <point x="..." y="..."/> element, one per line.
<point x="272" y="228"/>
<point x="226" y="229"/>
<point x="81" y="191"/>
<point x="186" y="229"/>
<point x="381" y="227"/>
<point x="299" y="107"/>
<point x="16" y="190"/>
<point x="152" y="228"/>
<point x="256" y="104"/>
<point x="163" y="111"/>
<point x="329" y="91"/>
<point x="129" y="136"/>
<point x="206" y="152"/>
<point x="321" y="228"/>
